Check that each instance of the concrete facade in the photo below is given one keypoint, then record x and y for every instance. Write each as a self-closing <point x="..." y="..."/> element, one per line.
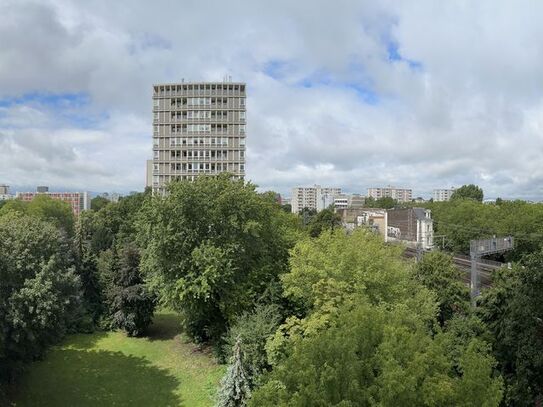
<point x="78" y="201"/>
<point x="399" y="194"/>
<point x="442" y="195"/>
<point x="198" y="128"/>
<point x="315" y="197"/>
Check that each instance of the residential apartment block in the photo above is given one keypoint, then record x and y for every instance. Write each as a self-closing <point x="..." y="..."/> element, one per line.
<point x="315" y="197"/>
<point x="198" y="128"/>
<point x="399" y="194"/>
<point x="345" y="201"/>
<point x="4" y="193"/>
<point x="79" y="201"/>
<point x="442" y="195"/>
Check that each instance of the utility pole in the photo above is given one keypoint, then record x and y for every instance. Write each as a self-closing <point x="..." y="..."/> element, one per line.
<point x="484" y="247"/>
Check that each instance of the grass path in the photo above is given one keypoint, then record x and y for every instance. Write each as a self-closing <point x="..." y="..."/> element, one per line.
<point x="109" y="369"/>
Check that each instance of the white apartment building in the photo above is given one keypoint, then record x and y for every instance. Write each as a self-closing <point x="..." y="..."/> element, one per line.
<point x="345" y="201"/>
<point x="315" y="197"/>
<point x="399" y="194"/>
<point x="442" y="195"/>
<point x="198" y="128"/>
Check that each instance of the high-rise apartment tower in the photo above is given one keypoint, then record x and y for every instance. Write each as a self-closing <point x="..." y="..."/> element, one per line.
<point x="198" y="128"/>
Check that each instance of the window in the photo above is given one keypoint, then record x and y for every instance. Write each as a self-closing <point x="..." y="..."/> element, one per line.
<point x="242" y="115"/>
<point x="242" y="129"/>
<point x="242" y="102"/>
<point x="242" y="141"/>
<point x="155" y="102"/>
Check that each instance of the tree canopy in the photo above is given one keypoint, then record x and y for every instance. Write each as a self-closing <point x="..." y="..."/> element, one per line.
<point x="365" y="335"/>
<point x="211" y="247"/>
<point x="470" y="191"/>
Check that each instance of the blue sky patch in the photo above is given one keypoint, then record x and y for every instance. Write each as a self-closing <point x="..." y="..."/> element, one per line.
<point x="395" y="56"/>
<point x="71" y="109"/>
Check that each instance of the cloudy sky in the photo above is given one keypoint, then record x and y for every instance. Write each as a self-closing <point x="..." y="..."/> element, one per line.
<point x="421" y="94"/>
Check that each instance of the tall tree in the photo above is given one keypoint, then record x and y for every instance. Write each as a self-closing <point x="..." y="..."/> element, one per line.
<point x="470" y="191"/>
<point x="211" y="247"/>
<point x="39" y="291"/>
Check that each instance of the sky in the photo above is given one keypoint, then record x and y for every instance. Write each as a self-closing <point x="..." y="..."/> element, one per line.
<point x="356" y="94"/>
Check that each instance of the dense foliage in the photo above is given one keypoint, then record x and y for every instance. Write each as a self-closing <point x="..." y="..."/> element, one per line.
<point x="326" y="219"/>
<point x="46" y="208"/>
<point x="39" y="291"/>
<point x="211" y="248"/>
<point x="384" y="203"/>
<point x="468" y="192"/>
<point x="306" y="313"/>
<point x="465" y="219"/>
<point x="129" y="304"/>
<point x="437" y="272"/>
<point x="513" y="312"/>
<point x="366" y="335"/>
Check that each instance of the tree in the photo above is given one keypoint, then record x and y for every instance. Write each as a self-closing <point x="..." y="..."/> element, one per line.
<point x="87" y="269"/>
<point x="366" y="334"/>
<point x="46" y="208"/>
<point x="39" y="291"/>
<point x="386" y="202"/>
<point x="211" y="247"/>
<point x="287" y="208"/>
<point x="235" y="390"/>
<point x="470" y="191"/>
<point x="326" y="219"/>
<point x="307" y="215"/>
<point x="372" y="355"/>
<point x="513" y="310"/>
<point x="250" y="333"/>
<point x="98" y="202"/>
<point x="130" y="305"/>
<point x="437" y="272"/>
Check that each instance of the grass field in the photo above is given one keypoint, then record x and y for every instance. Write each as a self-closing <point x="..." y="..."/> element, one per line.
<point x="109" y="369"/>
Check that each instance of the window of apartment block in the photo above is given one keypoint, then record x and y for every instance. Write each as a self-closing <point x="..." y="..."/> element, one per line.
<point x="242" y="115"/>
<point x="242" y="141"/>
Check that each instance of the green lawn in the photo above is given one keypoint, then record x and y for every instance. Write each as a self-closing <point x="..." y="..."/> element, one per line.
<point x="109" y="369"/>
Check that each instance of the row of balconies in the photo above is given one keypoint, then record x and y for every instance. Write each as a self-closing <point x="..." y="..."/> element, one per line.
<point x="200" y="92"/>
<point x="179" y="119"/>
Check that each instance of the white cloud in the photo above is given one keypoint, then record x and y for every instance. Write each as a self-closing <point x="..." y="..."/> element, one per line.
<point x="459" y="103"/>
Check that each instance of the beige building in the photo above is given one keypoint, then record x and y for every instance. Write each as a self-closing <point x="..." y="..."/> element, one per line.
<point x="198" y="128"/>
<point x="399" y="194"/>
<point x="315" y="197"/>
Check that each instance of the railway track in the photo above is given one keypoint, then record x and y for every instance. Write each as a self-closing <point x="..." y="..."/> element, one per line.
<point x="485" y="267"/>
